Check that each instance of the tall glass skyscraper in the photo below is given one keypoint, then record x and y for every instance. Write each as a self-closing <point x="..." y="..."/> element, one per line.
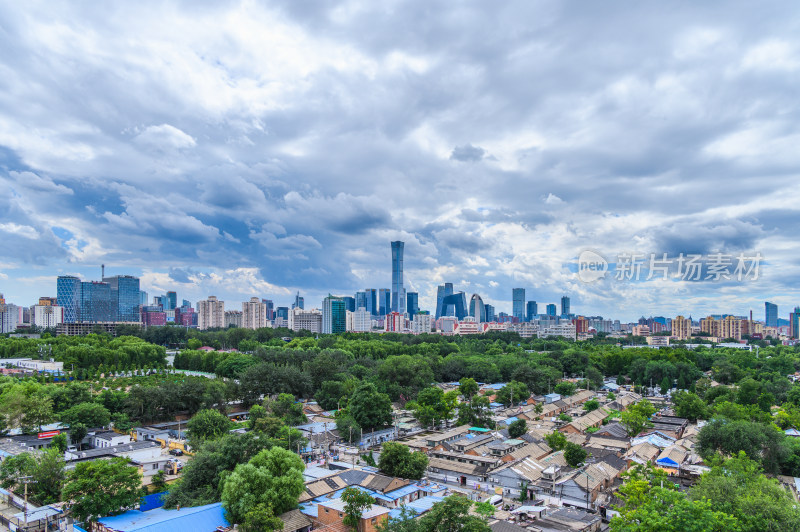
<point x="68" y="295"/>
<point x="531" y="311"/>
<point x="334" y="318"/>
<point x="477" y="309"/>
<point x="412" y="304"/>
<point x="172" y="301"/>
<point x="299" y="302"/>
<point x="361" y="301"/>
<point x="372" y="302"/>
<point x="771" y="314"/>
<point x="125" y="297"/>
<point x="349" y="303"/>
<point x="384" y="301"/>
<point x="551" y="309"/>
<point x="490" y="312"/>
<point x="518" y="298"/>
<point x="565" y="311"/>
<point x="398" y="292"/>
<point x="442" y="292"/>
<point x="96" y="304"/>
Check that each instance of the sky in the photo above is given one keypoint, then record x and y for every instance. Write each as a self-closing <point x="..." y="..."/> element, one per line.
<point x="245" y="149"/>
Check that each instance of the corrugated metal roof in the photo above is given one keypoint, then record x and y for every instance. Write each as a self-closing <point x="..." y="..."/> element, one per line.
<point x="198" y="519"/>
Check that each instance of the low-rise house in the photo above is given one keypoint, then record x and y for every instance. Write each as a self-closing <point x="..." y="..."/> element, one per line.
<point x="672" y="458"/>
<point x="642" y="453"/>
<point x="109" y="438"/>
<point x="330" y="515"/>
<point x="461" y="473"/>
<point x="613" y="429"/>
<point x="617" y="445"/>
<point x="208" y="518"/>
<point x="670" y="424"/>
<point x="140" y="451"/>
<point x="295" y="521"/>
<point x="569" y="519"/>
<point x="592" y="419"/>
<point x="151" y="433"/>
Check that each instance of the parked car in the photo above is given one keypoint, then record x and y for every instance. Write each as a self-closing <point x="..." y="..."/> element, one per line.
<point x="176" y="452"/>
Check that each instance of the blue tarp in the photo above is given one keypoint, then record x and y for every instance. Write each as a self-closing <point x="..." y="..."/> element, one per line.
<point x="152" y="501"/>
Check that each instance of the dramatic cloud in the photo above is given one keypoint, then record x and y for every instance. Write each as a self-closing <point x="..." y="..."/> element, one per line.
<point x="245" y="148"/>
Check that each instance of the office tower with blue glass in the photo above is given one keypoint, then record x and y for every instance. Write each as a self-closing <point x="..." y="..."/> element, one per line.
<point x="412" y="304"/>
<point x="551" y="309"/>
<point x="299" y="302"/>
<point x="372" y="301"/>
<point x="531" y="311"/>
<point x="384" y="301"/>
<point x="445" y="290"/>
<point x="68" y="296"/>
<point x="490" y="315"/>
<point x="125" y="297"/>
<point x="334" y="316"/>
<point x="398" y="292"/>
<point x="565" y="310"/>
<point x="477" y="308"/>
<point x="771" y="314"/>
<point x="518" y="299"/>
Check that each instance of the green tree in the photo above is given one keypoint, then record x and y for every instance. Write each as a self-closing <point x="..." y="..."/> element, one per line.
<point x="517" y="428"/>
<point x="468" y="388"/>
<point x="475" y="412"/>
<point x="158" y="482"/>
<point x="574" y="454"/>
<point x="261" y="518"/>
<point x="355" y="502"/>
<point x="285" y="407"/>
<point x="370" y="408"/>
<point x="637" y="417"/>
<point x="513" y="391"/>
<point x="257" y="412"/>
<point x="689" y="405"/>
<point x="451" y="515"/>
<point x="485" y="509"/>
<point x="565" y="388"/>
<point x="556" y="441"/>
<point x="90" y="414"/>
<point x="397" y="460"/>
<point x="761" y="441"/>
<point x="273" y="477"/>
<point x="348" y="429"/>
<point x="653" y="504"/>
<point x="207" y="425"/>
<point x="102" y="487"/>
<point x="591" y="405"/>
<point x="738" y="487"/>
<point x="59" y="442"/>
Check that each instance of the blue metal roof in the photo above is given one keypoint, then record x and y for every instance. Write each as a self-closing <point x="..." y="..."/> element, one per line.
<point x="198" y="519"/>
<point x="417" y="507"/>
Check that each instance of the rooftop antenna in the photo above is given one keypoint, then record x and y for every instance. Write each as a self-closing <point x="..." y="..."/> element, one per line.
<point x="102" y="271"/>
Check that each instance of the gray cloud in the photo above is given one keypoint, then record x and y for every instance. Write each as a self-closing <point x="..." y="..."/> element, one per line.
<point x="177" y="137"/>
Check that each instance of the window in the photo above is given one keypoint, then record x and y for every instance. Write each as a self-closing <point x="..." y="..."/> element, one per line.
<point x="374" y="519"/>
<point x="326" y="510"/>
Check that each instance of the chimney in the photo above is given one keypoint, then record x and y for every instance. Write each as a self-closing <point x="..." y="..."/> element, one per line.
<point x="102" y="271"/>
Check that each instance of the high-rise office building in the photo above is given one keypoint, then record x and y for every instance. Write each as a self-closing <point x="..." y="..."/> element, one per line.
<point x="270" y="306"/>
<point x="565" y="311"/>
<point x="771" y="314"/>
<point x="124" y="297"/>
<point x="455" y="305"/>
<point x="172" y="300"/>
<point x="518" y="308"/>
<point x="282" y="313"/>
<point x="490" y="314"/>
<point x="384" y="301"/>
<point x="254" y="314"/>
<point x="299" y="302"/>
<point x="551" y="309"/>
<point x="531" y="311"/>
<point x="210" y="313"/>
<point x="96" y="303"/>
<point x="398" y="292"/>
<point x="442" y="292"/>
<point x="349" y="303"/>
<point x="794" y="323"/>
<point x="334" y="315"/>
<point x="143" y="298"/>
<point x="68" y="295"/>
<point x="477" y="309"/>
<point x="412" y="304"/>
<point x="372" y="301"/>
<point x="361" y="300"/>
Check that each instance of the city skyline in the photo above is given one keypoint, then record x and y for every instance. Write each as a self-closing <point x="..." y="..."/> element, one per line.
<point x="268" y="149"/>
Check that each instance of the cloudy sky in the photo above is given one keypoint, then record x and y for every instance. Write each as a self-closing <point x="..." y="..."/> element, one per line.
<point x="259" y="148"/>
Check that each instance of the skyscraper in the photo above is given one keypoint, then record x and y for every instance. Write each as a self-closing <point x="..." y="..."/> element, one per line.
<point x="125" y="297"/>
<point x="531" y="311"/>
<point x="361" y="300"/>
<point x="442" y="292"/>
<point x="68" y="295"/>
<point x="349" y="303"/>
<point x="96" y="305"/>
<point x="172" y="301"/>
<point x="794" y="323"/>
<point x="477" y="309"/>
<point x="384" y="301"/>
<point x="270" y="308"/>
<point x="334" y="315"/>
<point x="372" y="301"/>
<point x="299" y="302"/>
<point x="518" y="298"/>
<point x="490" y="316"/>
<point x="771" y="314"/>
<point x="565" y="306"/>
<point x="551" y="309"/>
<point x="398" y="292"/>
<point x="210" y="313"/>
<point x="412" y="304"/>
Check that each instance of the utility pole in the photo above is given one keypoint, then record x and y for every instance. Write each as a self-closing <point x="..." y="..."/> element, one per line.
<point x="25" y="481"/>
